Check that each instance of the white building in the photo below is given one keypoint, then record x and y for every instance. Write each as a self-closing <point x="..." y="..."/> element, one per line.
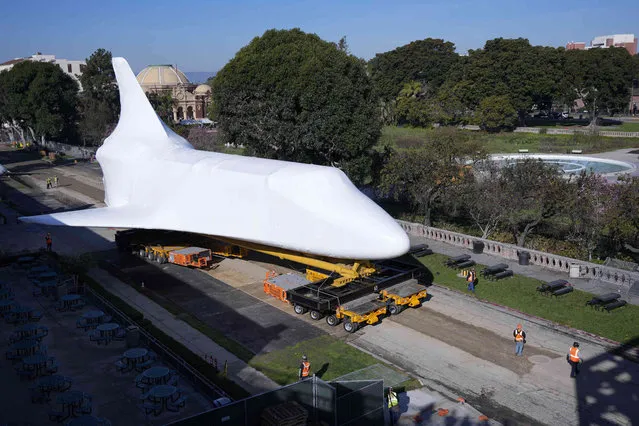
<point x="627" y="41"/>
<point x="74" y="69"/>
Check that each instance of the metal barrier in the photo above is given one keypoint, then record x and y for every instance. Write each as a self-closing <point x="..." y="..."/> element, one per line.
<point x="332" y="404"/>
<point x="199" y="381"/>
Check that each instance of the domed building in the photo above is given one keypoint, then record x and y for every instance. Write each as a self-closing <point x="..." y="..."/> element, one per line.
<point x="190" y="100"/>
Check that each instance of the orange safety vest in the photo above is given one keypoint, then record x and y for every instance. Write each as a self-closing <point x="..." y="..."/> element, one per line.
<point x="574" y="354"/>
<point x="48" y="240"/>
<point x="519" y="335"/>
<point x="306" y="368"/>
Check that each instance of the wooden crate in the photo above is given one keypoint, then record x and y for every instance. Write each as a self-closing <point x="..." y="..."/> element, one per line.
<point x="287" y="414"/>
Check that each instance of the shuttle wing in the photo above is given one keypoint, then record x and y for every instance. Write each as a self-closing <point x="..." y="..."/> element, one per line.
<point x="105" y="217"/>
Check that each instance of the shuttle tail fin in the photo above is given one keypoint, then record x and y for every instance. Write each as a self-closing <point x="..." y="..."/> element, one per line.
<point x="139" y="136"/>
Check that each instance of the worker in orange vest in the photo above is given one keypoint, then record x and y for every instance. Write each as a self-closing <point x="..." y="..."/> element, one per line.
<point x="49" y="241"/>
<point x="520" y="338"/>
<point x="574" y="359"/>
<point x="305" y="368"/>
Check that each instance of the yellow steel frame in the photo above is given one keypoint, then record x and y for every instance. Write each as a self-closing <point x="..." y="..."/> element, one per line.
<point x="412" y="300"/>
<point x="348" y="272"/>
<point x="369" y="317"/>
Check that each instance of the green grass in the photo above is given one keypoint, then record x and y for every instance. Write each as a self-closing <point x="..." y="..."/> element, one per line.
<point x="625" y="127"/>
<point x="283" y="365"/>
<point x="408" y="137"/>
<point x="520" y="293"/>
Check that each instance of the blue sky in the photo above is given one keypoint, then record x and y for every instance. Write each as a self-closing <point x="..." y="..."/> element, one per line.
<point x="203" y="35"/>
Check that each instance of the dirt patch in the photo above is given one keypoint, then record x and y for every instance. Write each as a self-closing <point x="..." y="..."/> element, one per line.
<point x="476" y="341"/>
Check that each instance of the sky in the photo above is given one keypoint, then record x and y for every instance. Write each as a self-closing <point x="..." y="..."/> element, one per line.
<point x="201" y="35"/>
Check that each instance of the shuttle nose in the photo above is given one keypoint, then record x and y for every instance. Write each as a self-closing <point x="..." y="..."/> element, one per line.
<point x="392" y="240"/>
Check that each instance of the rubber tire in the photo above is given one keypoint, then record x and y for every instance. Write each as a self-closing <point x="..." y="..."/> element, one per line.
<point x="350" y="327"/>
<point x="393" y="309"/>
<point x="316" y="316"/>
<point x="159" y="258"/>
<point x="151" y="256"/>
<point x="332" y="320"/>
<point x="164" y="260"/>
<point x="142" y="253"/>
<point x="300" y="310"/>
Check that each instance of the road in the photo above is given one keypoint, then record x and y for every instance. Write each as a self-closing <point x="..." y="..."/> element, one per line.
<point x="459" y="347"/>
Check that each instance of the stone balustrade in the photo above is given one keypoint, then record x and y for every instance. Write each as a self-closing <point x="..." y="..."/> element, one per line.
<point x="539" y="258"/>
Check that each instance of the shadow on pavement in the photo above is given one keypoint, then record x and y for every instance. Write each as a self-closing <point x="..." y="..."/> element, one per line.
<point x="608" y="388"/>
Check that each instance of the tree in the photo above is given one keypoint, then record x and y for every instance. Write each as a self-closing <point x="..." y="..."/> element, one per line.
<point x="99" y="100"/>
<point x="495" y="113"/>
<point x="536" y="192"/>
<point x="422" y="176"/>
<point x="162" y="103"/>
<point x="291" y="96"/>
<point x="600" y="78"/>
<point x="425" y="61"/>
<point x="527" y="75"/>
<point x="41" y="99"/>
<point x="623" y="218"/>
<point x="484" y="197"/>
<point x="589" y="201"/>
<point x="413" y="108"/>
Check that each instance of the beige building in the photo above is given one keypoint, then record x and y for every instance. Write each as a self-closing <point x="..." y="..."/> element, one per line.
<point x="190" y="100"/>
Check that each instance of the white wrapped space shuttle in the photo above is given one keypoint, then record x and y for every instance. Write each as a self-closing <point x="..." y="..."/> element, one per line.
<point x="154" y="179"/>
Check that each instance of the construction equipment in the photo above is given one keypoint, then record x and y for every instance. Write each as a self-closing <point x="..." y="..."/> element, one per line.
<point x="361" y="301"/>
<point x="323" y="268"/>
<point x="365" y="310"/>
<point x="405" y="294"/>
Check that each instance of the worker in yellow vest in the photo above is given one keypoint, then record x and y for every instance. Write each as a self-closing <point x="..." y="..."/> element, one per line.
<point x="574" y="359"/>
<point x="305" y="368"/>
<point x="392" y="403"/>
<point x="520" y="338"/>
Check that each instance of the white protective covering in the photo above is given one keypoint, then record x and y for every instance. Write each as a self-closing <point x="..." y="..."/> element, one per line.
<point x="154" y="179"/>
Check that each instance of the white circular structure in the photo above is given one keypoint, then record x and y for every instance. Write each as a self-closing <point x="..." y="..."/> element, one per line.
<point x="572" y="164"/>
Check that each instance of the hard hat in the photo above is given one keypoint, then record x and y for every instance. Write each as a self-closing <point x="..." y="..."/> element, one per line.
<point x="304" y="357"/>
<point x="576" y="344"/>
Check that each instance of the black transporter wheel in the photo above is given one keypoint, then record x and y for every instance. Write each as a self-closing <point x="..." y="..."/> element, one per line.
<point x="316" y="315"/>
<point x="332" y="320"/>
<point x="300" y="310"/>
<point x="350" y="327"/>
<point x="393" y="309"/>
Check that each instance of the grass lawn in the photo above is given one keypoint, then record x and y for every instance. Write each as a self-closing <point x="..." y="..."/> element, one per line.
<point x="520" y="293"/>
<point x="626" y="127"/>
<point x="283" y="365"/>
<point x="408" y="137"/>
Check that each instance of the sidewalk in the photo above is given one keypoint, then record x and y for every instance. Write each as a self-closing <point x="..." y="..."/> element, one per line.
<point x="532" y="271"/>
<point x="238" y="371"/>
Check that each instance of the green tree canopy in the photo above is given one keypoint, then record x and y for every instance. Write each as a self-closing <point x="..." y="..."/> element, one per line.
<point x="527" y="75"/>
<point x="99" y="100"/>
<point x="39" y="98"/>
<point x="422" y="176"/>
<point x="601" y="78"/>
<point x="427" y="62"/>
<point x="290" y="95"/>
<point x="495" y="113"/>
